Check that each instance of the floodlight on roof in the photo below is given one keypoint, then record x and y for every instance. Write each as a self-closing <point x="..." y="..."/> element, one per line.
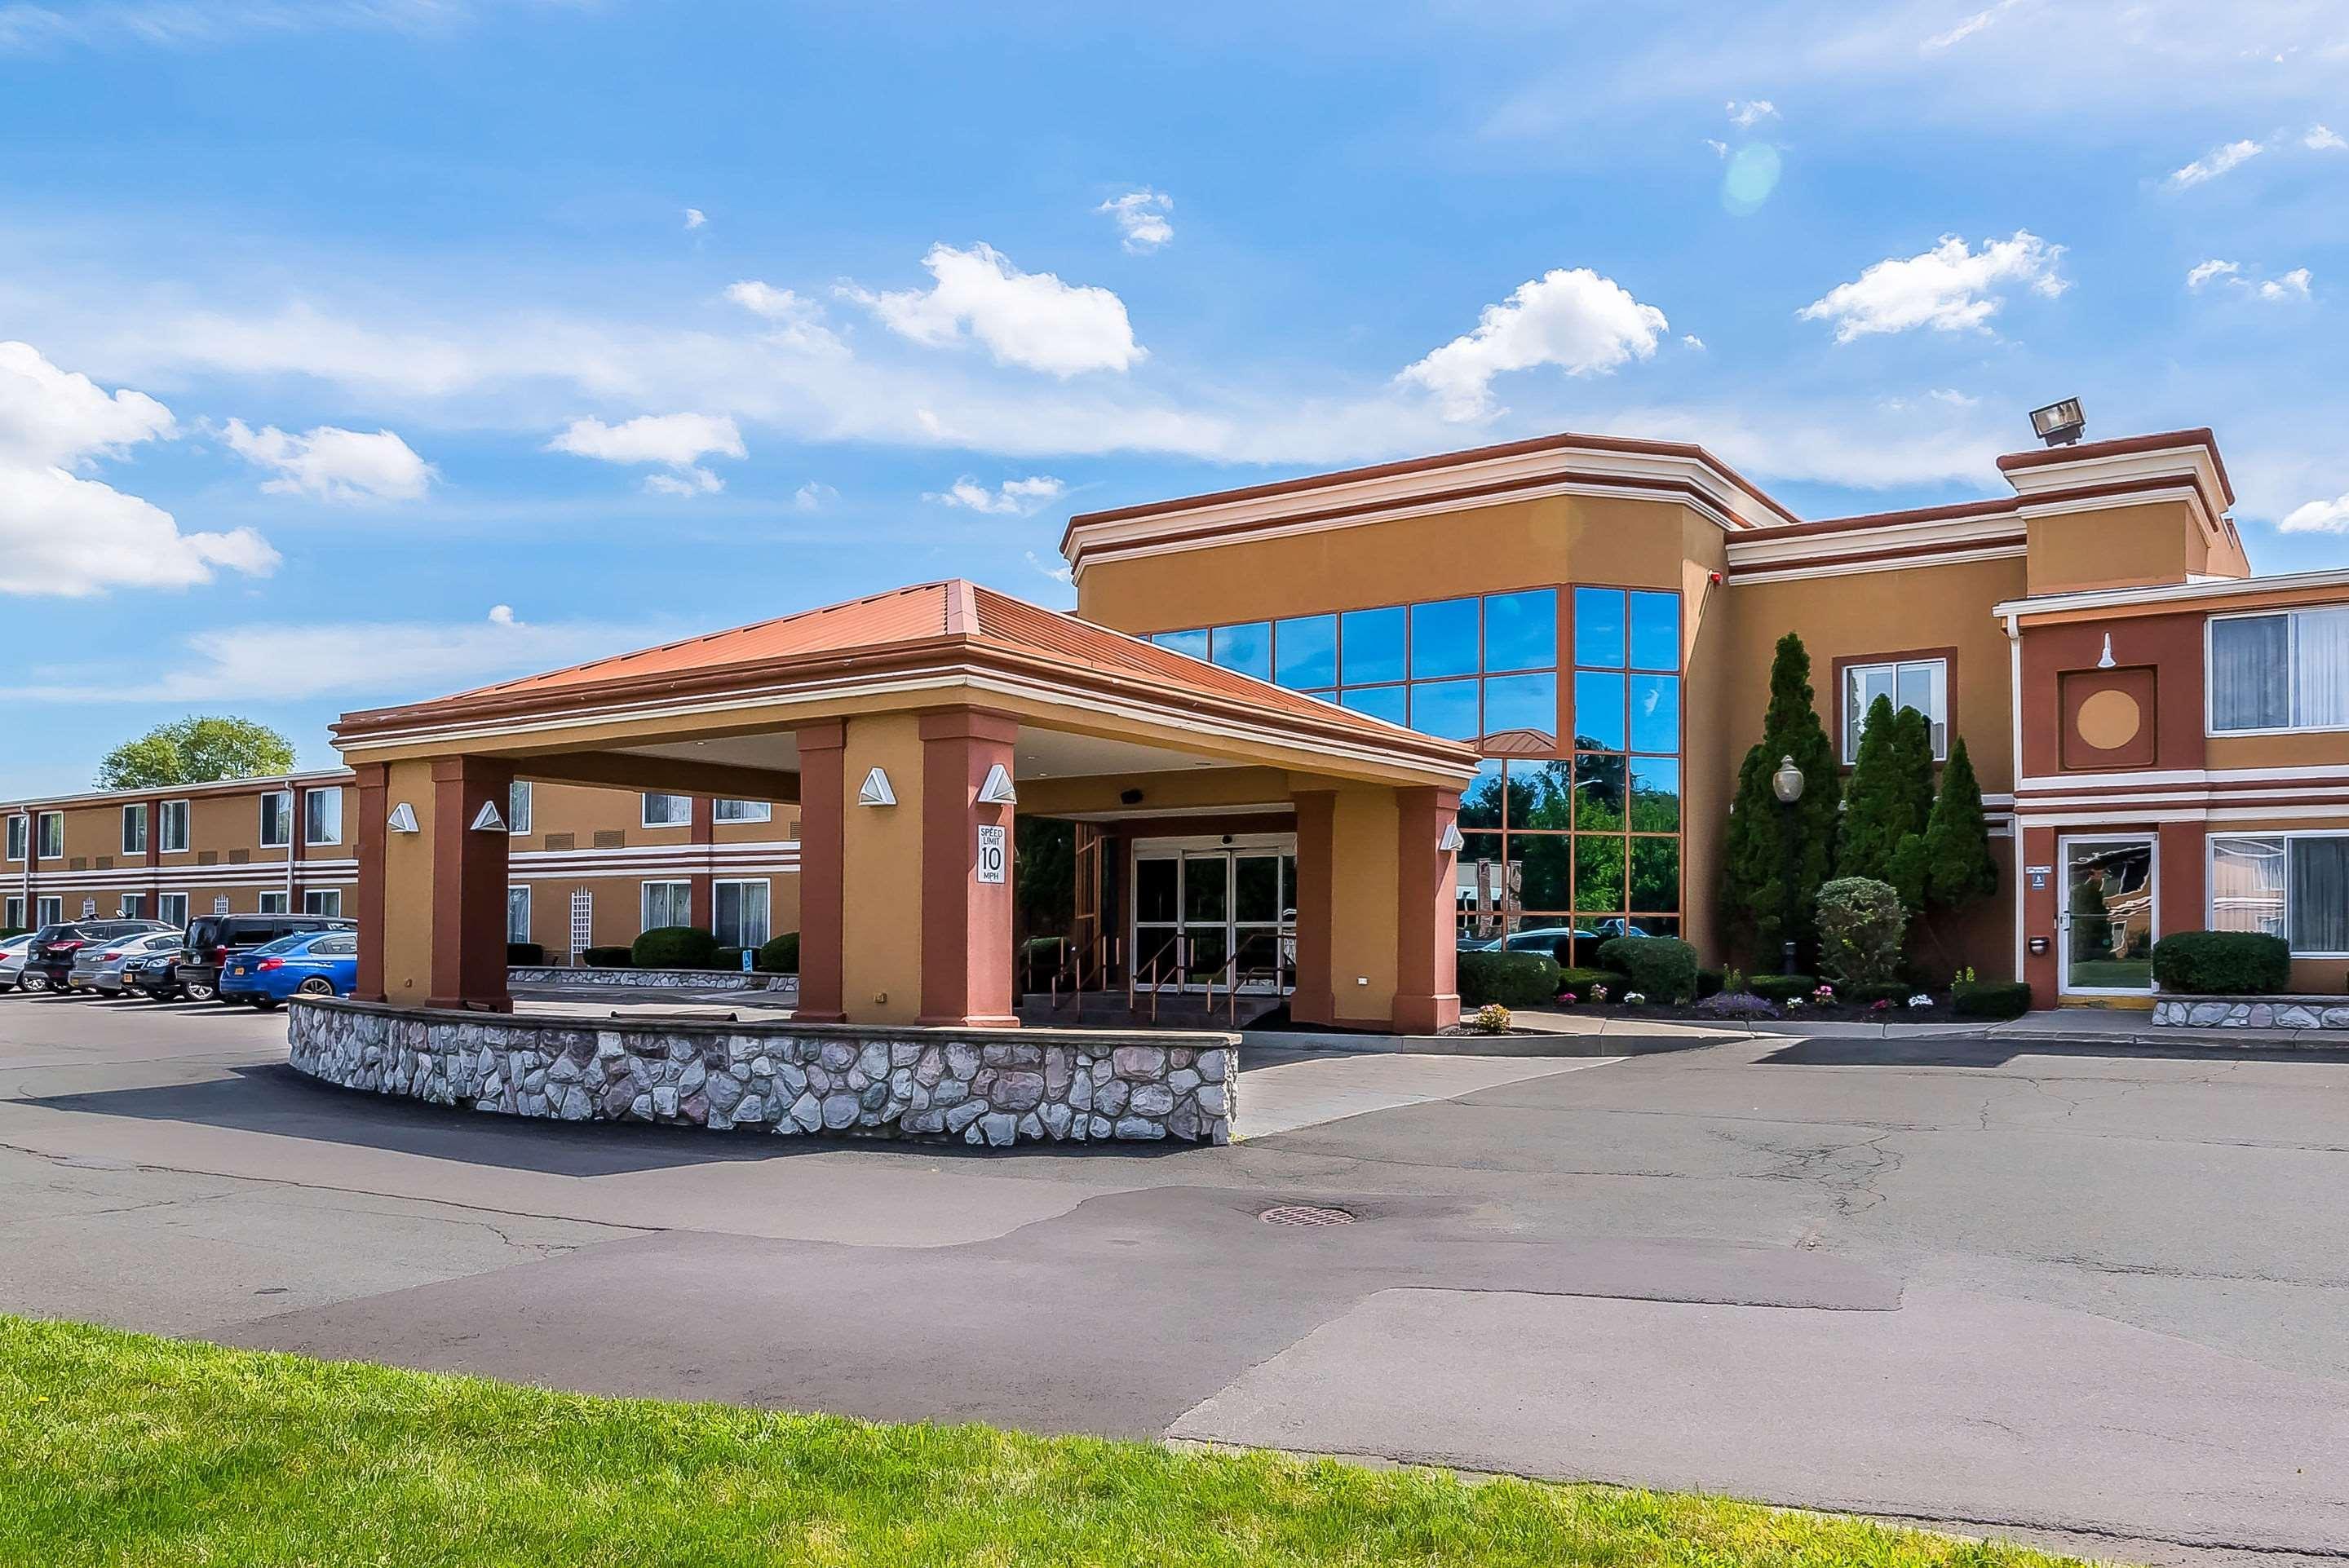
<point x="2059" y="424"/>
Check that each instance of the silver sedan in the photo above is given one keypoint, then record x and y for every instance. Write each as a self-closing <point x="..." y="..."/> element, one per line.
<point x="100" y="965"/>
<point x="11" y="961"/>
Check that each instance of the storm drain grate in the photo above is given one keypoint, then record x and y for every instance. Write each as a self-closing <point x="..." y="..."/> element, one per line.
<point x="1304" y="1214"/>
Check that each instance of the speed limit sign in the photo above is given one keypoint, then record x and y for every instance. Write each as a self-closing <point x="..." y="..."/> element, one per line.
<point x="990" y="854"/>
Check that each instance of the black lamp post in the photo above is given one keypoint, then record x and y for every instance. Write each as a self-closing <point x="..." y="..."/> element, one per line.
<point x="1786" y="783"/>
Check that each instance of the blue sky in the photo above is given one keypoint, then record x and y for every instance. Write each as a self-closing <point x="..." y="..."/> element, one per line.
<point x="364" y="351"/>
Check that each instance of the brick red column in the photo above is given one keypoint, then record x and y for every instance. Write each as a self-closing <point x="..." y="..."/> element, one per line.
<point x="824" y="805"/>
<point x="966" y="923"/>
<point x="701" y="834"/>
<point x="1427" y="995"/>
<point x="1316" y="998"/>
<point x="469" y="886"/>
<point x="297" y="835"/>
<point x="155" y="858"/>
<point x="373" y="793"/>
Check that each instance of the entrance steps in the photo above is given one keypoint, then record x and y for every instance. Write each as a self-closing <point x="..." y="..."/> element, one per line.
<point x="1107" y="1010"/>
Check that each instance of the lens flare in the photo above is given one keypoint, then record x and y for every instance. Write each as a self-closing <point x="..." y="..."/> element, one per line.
<point x="1752" y="174"/>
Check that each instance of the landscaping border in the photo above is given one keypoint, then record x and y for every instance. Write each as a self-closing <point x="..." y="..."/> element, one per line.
<point x="2281" y="1012"/>
<point x="990" y="1087"/>
<point x="542" y="977"/>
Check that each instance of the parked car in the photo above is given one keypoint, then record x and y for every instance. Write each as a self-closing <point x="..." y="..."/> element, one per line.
<point x="12" y="960"/>
<point x="102" y="966"/>
<point x="309" y="963"/>
<point x="156" y="977"/>
<point x="55" y="947"/>
<point x="213" y="939"/>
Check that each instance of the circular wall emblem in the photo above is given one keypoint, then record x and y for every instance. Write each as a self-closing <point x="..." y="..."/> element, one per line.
<point x="2109" y="720"/>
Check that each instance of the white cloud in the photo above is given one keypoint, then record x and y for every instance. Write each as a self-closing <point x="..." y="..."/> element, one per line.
<point x="396" y="657"/>
<point x="1690" y="340"/>
<point x="2320" y="140"/>
<point x="1949" y="288"/>
<point x="2215" y="162"/>
<point x="1015" y="497"/>
<point x="695" y="218"/>
<point x="1029" y="319"/>
<point x="2318" y="517"/>
<point x="1952" y="396"/>
<point x="2203" y="272"/>
<point x="798" y="320"/>
<point x="331" y="464"/>
<point x="502" y="616"/>
<point x="677" y="442"/>
<point x="2292" y="285"/>
<point x="179" y="24"/>
<point x="1969" y="27"/>
<point x="1719" y="149"/>
<point x="1583" y="324"/>
<point x="69" y="536"/>
<point x="813" y="497"/>
<point x="1746" y="116"/>
<point x="1058" y="570"/>
<point x="1140" y="219"/>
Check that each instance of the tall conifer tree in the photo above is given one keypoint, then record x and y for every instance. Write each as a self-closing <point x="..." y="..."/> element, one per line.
<point x="1777" y="856"/>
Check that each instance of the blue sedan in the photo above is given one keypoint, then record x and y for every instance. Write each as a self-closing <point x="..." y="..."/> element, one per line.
<point x="307" y="964"/>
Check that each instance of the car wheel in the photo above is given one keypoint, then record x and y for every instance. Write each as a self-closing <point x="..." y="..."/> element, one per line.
<point x="316" y="986"/>
<point x="197" y="991"/>
<point x="34" y="983"/>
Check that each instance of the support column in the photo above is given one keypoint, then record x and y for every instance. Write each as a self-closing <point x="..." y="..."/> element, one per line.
<point x="1315" y="1001"/>
<point x="468" y="885"/>
<point x="701" y="895"/>
<point x="966" y="922"/>
<point x="373" y="789"/>
<point x="823" y="803"/>
<point x="1427" y="995"/>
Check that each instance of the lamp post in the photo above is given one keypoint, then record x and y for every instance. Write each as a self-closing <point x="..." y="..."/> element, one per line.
<point x="1786" y="783"/>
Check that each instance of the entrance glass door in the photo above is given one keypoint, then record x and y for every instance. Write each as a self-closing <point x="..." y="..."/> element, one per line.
<point x="2110" y="889"/>
<point x="1214" y="918"/>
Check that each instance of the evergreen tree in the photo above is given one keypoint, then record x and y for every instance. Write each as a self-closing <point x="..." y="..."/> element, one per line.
<point x="1958" y="866"/>
<point x="1769" y="884"/>
<point x="1912" y="769"/>
<point x="1876" y="812"/>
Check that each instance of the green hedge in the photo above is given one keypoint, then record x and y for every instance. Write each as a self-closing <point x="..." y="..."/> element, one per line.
<point x="1869" y="992"/>
<point x="606" y="957"/>
<point x="1991" y="999"/>
<point x="1512" y="979"/>
<point x="782" y="956"/>
<point x="1580" y="979"/>
<point x="674" y="947"/>
<point x="1710" y="983"/>
<point x="727" y="958"/>
<point x="1662" y="968"/>
<point x="1783" y="987"/>
<point x="528" y="955"/>
<point x="2223" y="964"/>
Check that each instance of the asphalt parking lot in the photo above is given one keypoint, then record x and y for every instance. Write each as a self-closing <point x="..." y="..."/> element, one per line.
<point x="2099" y="1300"/>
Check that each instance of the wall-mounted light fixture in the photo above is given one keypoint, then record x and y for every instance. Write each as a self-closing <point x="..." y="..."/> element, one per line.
<point x="402" y="819"/>
<point x="2059" y="424"/>
<point x="997" y="789"/>
<point x="2104" y="660"/>
<point x="875" y="790"/>
<point x="1450" y="843"/>
<point x="488" y="819"/>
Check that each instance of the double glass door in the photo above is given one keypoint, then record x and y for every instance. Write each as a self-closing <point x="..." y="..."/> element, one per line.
<point x="1215" y="918"/>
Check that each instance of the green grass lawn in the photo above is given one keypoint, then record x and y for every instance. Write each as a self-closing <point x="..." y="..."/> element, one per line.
<point x="123" y="1450"/>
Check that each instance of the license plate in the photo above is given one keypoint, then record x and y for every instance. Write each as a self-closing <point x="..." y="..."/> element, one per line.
<point x="238" y="970"/>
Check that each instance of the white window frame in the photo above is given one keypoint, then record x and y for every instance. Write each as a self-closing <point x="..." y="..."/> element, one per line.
<point x="310" y="799"/>
<point x="12" y="913"/>
<point x="2291" y="655"/>
<point x="1854" y="713"/>
<point x="130" y="906"/>
<point x="645" y="921"/>
<point x="318" y="899"/>
<point x="742" y="810"/>
<point x="518" y="807"/>
<point x="644" y="809"/>
<point x="2211" y="870"/>
<point x="168" y="904"/>
<point x="168" y="814"/>
<point x="135" y="844"/>
<point x="283" y="800"/>
<point x="52" y="911"/>
<point x="716" y="886"/>
<point x="50" y="835"/>
<point x="20" y="835"/>
<point x="524" y="889"/>
<point x="273" y="903"/>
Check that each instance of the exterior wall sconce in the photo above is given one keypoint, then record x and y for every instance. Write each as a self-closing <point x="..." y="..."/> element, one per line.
<point x="875" y="790"/>
<point x="1450" y="843"/>
<point x="402" y="819"/>
<point x="997" y="789"/>
<point x="2106" y="661"/>
<point x="488" y="819"/>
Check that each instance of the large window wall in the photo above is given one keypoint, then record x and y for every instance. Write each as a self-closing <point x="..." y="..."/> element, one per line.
<point x="1573" y="694"/>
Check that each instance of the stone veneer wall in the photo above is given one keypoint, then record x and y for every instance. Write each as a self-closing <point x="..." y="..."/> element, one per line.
<point x="2253" y="1012"/>
<point x="994" y="1087"/>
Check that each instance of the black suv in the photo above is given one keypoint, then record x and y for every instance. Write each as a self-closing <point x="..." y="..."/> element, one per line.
<point x="211" y="938"/>
<point x="54" y="946"/>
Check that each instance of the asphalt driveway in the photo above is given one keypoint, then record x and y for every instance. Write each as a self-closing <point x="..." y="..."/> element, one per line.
<point x="2099" y="1300"/>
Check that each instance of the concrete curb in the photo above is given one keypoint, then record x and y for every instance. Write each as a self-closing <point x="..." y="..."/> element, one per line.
<point x="1536" y="1045"/>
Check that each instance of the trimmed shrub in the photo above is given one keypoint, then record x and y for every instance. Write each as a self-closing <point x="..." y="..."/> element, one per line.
<point x="1991" y="999"/>
<point x="1865" y="992"/>
<point x="1662" y="967"/>
<point x="1492" y="1018"/>
<point x="674" y="947"/>
<point x="1862" y="923"/>
<point x="1512" y="979"/>
<point x="1710" y="983"/>
<point x="1783" y="987"/>
<point x="606" y="957"/>
<point x="1582" y="980"/>
<point x="527" y="954"/>
<point x="781" y="956"/>
<point x="2223" y="964"/>
<point x="727" y="958"/>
